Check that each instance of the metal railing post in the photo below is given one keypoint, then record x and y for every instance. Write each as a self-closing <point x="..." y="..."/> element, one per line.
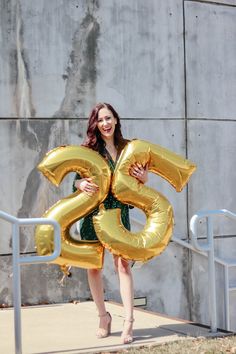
<point x="226" y="295"/>
<point x="212" y="277"/>
<point x="16" y="287"/>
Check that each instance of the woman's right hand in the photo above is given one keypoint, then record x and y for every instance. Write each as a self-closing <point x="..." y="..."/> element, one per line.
<point x="86" y="185"/>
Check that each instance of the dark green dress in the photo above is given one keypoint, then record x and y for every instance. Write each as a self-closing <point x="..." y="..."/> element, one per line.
<point x="87" y="231"/>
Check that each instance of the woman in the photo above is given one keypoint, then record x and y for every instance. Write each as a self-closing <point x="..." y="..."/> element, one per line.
<point x="104" y="135"/>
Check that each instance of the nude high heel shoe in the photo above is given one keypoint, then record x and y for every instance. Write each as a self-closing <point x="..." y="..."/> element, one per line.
<point x="127" y="334"/>
<point x="105" y="332"/>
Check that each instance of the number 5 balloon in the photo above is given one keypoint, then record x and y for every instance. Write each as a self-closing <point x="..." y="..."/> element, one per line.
<point x="56" y="164"/>
<point x="155" y="236"/>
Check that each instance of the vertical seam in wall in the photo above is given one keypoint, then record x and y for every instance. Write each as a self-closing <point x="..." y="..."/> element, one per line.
<point x="189" y="287"/>
<point x="185" y="111"/>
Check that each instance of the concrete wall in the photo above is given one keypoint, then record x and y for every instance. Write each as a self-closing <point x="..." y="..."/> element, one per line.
<point x="168" y="67"/>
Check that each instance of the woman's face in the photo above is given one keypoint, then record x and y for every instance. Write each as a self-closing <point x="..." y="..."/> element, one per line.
<point x="106" y="123"/>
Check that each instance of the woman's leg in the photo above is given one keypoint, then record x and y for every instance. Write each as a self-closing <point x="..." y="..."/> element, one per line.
<point x="127" y="295"/>
<point x="97" y="290"/>
<point x="96" y="287"/>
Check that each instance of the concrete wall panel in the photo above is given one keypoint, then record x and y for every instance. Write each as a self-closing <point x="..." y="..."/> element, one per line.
<point x="68" y="56"/>
<point x="171" y="135"/>
<point x="212" y="146"/>
<point x="24" y="191"/>
<point x="141" y="58"/>
<point x="210" y="60"/>
<point x="35" y="194"/>
<point x="45" y="55"/>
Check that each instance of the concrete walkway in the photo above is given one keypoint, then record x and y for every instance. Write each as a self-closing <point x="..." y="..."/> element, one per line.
<point x="71" y="328"/>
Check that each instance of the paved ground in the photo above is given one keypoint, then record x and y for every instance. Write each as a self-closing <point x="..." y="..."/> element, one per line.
<point x="71" y="328"/>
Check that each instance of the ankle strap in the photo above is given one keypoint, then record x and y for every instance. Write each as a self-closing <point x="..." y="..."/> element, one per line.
<point x="129" y="320"/>
<point x="105" y="314"/>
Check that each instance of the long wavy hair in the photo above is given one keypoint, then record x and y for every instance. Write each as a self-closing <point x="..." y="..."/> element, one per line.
<point x="94" y="139"/>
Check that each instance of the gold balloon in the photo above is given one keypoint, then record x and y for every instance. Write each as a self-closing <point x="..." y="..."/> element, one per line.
<point x="56" y="164"/>
<point x="153" y="239"/>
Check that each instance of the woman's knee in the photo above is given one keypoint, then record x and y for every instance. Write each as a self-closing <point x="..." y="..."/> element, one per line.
<point x="123" y="266"/>
<point x="115" y="260"/>
<point x="94" y="272"/>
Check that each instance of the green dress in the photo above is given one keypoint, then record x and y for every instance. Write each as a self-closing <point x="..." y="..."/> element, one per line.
<point x="87" y="231"/>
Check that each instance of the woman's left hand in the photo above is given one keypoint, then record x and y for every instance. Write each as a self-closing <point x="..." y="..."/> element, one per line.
<point x="139" y="172"/>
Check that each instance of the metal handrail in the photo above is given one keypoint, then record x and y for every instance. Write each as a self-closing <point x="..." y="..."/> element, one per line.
<point x="207" y="250"/>
<point x="18" y="260"/>
<point x="206" y="214"/>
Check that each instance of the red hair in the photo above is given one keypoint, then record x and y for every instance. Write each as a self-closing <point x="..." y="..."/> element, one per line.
<point x="94" y="139"/>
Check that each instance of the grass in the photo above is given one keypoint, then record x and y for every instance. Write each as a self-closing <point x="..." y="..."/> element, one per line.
<point x="223" y="345"/>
